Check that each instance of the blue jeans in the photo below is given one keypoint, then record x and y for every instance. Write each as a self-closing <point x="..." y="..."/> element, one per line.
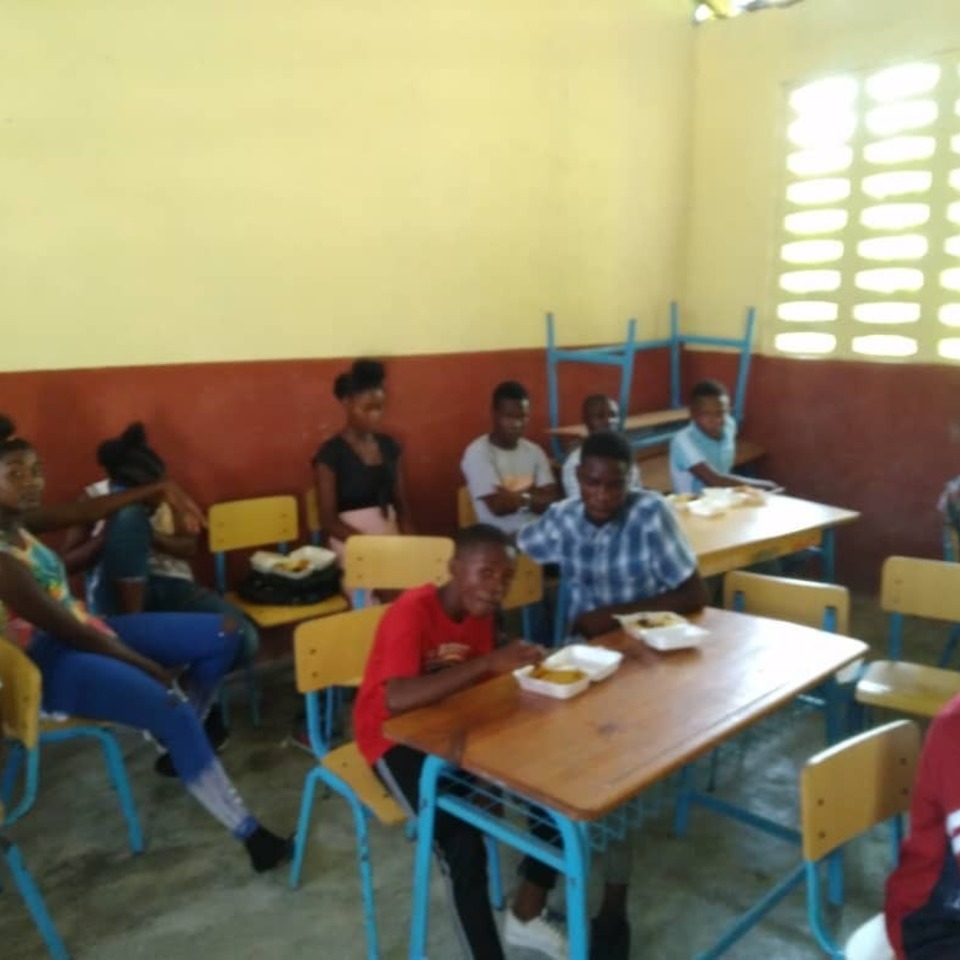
<point x="176" y="595"/>
<point x="98" y="687"/>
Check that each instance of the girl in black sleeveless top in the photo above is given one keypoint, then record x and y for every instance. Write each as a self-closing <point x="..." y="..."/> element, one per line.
<point x="357" y="472"/>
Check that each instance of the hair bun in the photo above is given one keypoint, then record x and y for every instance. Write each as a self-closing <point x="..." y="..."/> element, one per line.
<point x="7" y="428"/>
<point x="135" y="435"/>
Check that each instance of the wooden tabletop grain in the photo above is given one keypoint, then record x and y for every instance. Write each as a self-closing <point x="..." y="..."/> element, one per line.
<point x="585" y="757"/>
<point x="751" y="534"/>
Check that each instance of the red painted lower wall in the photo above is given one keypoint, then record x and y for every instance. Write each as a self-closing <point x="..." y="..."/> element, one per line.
<point x="868" y="436"/>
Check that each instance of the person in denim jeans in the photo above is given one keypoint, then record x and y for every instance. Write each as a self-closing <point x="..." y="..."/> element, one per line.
<point x="143" y="561"/>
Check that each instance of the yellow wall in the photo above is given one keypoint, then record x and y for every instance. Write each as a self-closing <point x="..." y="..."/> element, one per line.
<point x="741" y="68"/>
<point x="202" y="180"/>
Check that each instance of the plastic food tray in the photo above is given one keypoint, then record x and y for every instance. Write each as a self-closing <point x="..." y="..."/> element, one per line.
<point x="596" y="663"/>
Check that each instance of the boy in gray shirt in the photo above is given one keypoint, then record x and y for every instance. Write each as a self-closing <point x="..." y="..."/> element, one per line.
<point x="509" y="477"/>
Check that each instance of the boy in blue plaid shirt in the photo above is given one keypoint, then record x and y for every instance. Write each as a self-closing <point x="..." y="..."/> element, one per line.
<point x="620" y="550"/>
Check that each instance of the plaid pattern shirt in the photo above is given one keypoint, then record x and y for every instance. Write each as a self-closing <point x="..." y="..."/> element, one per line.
<point x="638" y="555"/>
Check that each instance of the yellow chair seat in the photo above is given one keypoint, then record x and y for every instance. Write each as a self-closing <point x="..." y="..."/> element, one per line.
<point x="264" y="615"/>
<point x="349" y="765"/>
<point x="909" y="687"/>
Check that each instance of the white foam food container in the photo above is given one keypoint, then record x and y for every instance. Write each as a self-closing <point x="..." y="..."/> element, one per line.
<point x="596" y="663"/>
<point x="296" y="565"/>
<point x="559" y="691"/>
<point x="674" y="634"/>
<point x="708" y="509"/>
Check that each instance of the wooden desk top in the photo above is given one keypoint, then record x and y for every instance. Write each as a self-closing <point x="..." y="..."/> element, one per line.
<point x="715" y="540"/>
<point x="636" y="421"/>
<point x="585" y="757"/>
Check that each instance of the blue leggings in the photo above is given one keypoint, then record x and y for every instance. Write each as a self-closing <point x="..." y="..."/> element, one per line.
<point x="98" y="687"/>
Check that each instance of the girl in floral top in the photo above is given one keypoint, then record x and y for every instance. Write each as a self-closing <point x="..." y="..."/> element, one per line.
<point x="153" y="672"/>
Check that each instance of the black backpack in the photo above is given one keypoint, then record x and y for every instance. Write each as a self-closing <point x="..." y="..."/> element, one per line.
<point x="272" y="589"/>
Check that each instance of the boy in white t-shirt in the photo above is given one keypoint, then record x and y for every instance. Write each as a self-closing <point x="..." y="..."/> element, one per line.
<point x="600" y="414"/>
<point x="509" y="477"/>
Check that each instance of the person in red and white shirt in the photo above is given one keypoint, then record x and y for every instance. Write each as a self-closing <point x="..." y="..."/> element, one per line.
<point x="923" y="893"/>
<point x="431" y="643"/>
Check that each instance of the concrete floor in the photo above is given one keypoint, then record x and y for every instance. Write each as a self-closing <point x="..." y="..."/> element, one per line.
<point x="191" y="895"/>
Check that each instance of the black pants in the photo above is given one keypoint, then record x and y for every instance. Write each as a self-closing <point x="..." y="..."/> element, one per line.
<point x="462" y="854"/>
<point x="927" y="937"/>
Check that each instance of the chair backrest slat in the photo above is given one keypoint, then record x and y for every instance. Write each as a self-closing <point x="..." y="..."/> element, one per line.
<point x="799" y="601"/>
<point x="466" y="513"/>
<point x="849" y="788"/>
<point x="332" y="651"/>
<point x="921" y="588"/>
<point x="241" y="524"/>
<point x="20" y="695"/>
<point x="395" y="563"/>
<point x="527" y="584"/>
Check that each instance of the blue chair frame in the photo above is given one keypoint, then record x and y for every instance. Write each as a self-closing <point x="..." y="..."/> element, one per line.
<point x="21" y="756"/>
<point x="32" y="897"/>
<point x="810" y="870"/>
<point x="361" y="813"/>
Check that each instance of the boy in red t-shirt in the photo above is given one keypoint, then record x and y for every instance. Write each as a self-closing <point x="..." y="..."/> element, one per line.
<point x="923" y="893"/>
<point x="431" y="643"/>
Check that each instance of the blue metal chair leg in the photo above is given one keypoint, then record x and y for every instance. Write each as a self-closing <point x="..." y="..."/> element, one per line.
<point x="11" y="773"/>
<point x="895" y="636"/>
<point x="828" y="547"/>
<point x="303" y="827"/>
<point x="33" y="899"/>
<point x="497" y="899"/>
<point x="835" y="878"/>
<point x="950" y="650"/>
<point x="366" y="879"/>
<point x="118" y="777"/>
<point x="31" y="781"/>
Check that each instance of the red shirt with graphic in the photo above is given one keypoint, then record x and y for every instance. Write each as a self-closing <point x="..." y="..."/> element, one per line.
<point x="923" y="892"/>
<point x="415" y="637"/>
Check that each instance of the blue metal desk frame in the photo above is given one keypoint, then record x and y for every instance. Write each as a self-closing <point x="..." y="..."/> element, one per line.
<point x="572" y="860"/>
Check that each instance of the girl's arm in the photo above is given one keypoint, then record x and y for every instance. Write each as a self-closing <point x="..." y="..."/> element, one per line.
<point x="330" y="522"/>
<point x="80" y="549"/>
<point x="20" y="591"/>
<point x="61" y="515"/>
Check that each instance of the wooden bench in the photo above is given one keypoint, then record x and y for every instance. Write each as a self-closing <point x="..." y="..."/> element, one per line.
<point x="632" y="424"/>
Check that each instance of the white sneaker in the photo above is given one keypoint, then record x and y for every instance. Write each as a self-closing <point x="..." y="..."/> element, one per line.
<point x="542" y="934"/>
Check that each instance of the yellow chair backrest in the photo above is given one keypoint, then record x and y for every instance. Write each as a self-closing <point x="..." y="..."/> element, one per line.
<point x="799" y="601"/>
<point x="311" y="510"/>
<point x="19" y="695"/>
<point x="239" y="524"/>
<point x="849" y="788"/>
<point x="527" y="585"/>
<point x="395" y="563"/>
<point x="921" y="588"/>
<point x="466" y="513"/>
<point x="332" y="651"/>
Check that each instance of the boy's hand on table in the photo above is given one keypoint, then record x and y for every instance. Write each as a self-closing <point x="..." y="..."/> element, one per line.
<point x="516" y="654"/>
